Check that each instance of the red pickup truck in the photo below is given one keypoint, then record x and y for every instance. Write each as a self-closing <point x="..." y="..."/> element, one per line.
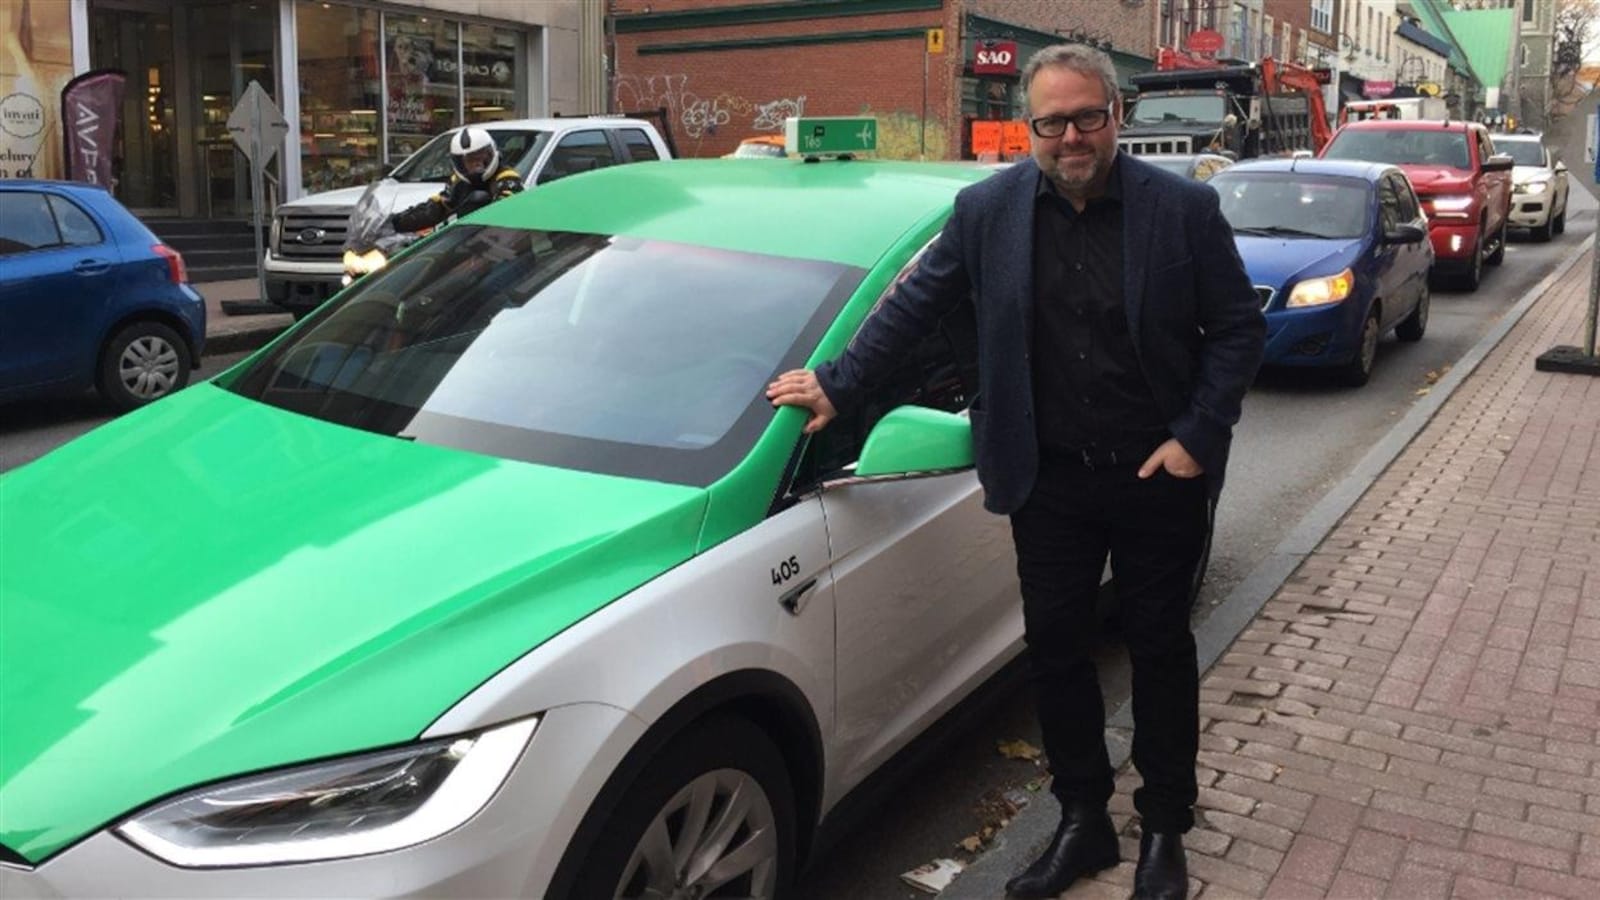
<point x="1464" y="186"/>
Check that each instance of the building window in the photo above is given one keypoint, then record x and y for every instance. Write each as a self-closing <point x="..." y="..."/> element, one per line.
<point x="1527" y="10"/>
<point x="1322" y="16"/>
<point x="490" y="73"/>
<point x="341" y="96"/>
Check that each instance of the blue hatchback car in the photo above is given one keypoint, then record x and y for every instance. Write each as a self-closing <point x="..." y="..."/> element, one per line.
<point x="1339" y="255"/>
<point x="90" y="297"/>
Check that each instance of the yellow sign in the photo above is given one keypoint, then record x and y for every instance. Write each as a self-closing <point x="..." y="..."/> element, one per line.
<point x="935" y="40"/>
<point x="1428" y="89"/>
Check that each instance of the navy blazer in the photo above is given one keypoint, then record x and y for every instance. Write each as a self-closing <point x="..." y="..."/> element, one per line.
<point x="1192" y="310"/>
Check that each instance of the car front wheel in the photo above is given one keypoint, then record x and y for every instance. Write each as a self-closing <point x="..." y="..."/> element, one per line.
<point x="712" y="815"/>
<point x="1358" y="370"/>
<point x="145" y="361"/>
<point x="1559" y="226"/>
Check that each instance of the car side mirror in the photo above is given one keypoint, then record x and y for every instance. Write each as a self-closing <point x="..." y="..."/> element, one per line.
<point x="1561" y="166"/>
<point x="913" y="442"/>
<point x="1405" y="233"/>
<point x="1499" y="162"/>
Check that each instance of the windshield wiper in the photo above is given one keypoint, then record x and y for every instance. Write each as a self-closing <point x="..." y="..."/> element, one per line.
<point x="1279" y="231"/>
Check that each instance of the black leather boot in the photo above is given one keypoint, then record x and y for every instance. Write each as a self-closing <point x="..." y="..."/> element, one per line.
<point x="1163" y="874"/>
<point x="1084" y="844"/>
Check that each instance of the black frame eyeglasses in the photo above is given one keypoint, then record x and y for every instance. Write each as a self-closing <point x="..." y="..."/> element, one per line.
<point x="1087" y="121"/>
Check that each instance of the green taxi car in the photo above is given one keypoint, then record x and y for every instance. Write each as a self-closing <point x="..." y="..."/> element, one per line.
<point x="498" y="576"/>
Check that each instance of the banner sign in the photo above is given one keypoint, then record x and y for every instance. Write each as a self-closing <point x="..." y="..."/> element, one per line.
<point x="995" y="58"/>
<point x="90" y="105"/>
<point x="1378" y="88"/>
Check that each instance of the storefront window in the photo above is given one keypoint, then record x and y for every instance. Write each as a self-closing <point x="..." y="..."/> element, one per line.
<point x="490" y="75"/>
<point x="340" y="94"/>
<point x="424" y="96"/>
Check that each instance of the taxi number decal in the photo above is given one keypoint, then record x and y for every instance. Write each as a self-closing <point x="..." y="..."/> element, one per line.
<point x="786" y="570"/>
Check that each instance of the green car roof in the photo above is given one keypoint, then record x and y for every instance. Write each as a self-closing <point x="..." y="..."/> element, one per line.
<point x="213" y="586"/>
<point x="844" y="211"/>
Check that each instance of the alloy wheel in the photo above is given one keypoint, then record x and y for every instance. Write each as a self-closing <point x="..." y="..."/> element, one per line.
<point x="718" y="832"/>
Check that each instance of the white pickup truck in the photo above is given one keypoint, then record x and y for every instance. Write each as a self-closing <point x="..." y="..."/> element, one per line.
<point x="304" y="253"/>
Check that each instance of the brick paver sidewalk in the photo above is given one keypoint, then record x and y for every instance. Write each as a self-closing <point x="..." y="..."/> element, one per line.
<point x="1415" y="713"/>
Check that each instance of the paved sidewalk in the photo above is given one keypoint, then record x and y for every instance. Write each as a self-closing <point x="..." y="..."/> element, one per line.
<point x="1414" y="713"/>
<point x="229" y="332"/>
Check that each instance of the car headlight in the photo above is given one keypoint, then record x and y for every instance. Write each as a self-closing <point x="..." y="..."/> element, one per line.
<point x="1452" y="203"/>
<point x="1322" y="291"/>
<point x="275" y="237"/>
<point x="356" y="805"/>
<point x="1535" y="187"/>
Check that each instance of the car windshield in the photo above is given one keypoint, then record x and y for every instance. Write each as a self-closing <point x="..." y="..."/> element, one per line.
<point x="1522" y="153"/>
<point x="1293" y="204"/>
<point x="634" y="357"/>
<point x="518" y="149"/>
<point x="1401" y="146"/>
<point x="1193" y="108"/>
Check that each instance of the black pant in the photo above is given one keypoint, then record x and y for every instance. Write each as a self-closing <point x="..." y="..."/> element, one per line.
<point x="1154" y="530"/>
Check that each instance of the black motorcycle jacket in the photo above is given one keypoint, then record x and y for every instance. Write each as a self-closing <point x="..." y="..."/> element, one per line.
<point x="459" y="197"/>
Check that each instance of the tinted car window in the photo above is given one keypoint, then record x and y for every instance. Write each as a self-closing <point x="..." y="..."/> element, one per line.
<point x="25" y="222"/>
<point x="1398" y="146"/>
<point x="621" y="355"/>
<point x="580" y="151"/>
<point x="1293" y="204"/>
<point x="1389" y="206"/>
<point x="638" y="143"/>
<point x="518" y="149"/>
<point x="75" y="225"/>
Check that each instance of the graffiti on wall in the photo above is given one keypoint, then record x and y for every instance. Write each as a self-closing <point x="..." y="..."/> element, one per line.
<point x="701" y="116"/>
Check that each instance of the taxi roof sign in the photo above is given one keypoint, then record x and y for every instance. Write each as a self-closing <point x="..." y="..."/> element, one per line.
<point x="830" y="135"/>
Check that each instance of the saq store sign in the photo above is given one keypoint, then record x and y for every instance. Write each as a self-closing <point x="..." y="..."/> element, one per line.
<point x="994" y="58"/>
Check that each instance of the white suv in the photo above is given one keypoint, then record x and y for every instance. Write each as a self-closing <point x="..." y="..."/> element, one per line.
<point x="304" y="253"/>
<point x="1538" y="185"/>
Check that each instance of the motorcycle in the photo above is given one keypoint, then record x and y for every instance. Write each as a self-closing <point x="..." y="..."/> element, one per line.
<point x="370" y="237"/>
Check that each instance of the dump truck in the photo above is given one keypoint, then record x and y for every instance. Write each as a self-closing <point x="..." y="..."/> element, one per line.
<point x="1190" y="104"/>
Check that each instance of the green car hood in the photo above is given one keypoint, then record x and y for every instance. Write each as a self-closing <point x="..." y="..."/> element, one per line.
<point x="212" y="586"/>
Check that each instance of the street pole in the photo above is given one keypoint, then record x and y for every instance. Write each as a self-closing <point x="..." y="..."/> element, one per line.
<point x="922" y="129"/>
<point x="255" y="199"/>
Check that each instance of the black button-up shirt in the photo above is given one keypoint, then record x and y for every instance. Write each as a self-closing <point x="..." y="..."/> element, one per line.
<point x="1087" y="387"/>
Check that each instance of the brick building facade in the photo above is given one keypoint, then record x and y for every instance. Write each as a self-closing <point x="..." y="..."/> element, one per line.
<point x="730" y="69"/>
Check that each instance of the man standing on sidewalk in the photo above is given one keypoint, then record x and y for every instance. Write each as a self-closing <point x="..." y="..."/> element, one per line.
<point x="1117" y="334"/>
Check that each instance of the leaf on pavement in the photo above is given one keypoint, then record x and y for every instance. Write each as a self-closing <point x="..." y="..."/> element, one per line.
<point x="971" y="843"/>
<point x="1018" y="749"/>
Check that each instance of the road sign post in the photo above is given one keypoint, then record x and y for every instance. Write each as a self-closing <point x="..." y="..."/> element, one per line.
<point x="257" y="127"/>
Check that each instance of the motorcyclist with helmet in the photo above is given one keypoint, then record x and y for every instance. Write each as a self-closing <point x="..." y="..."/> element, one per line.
<point x="478" y="179"/>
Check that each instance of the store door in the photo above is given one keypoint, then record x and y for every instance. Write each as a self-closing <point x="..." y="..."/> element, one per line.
<point x="137" y="38"/>
<point x="230" y="45"/>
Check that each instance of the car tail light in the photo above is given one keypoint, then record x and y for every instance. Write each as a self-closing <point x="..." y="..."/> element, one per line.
<point x="176" y="270"/>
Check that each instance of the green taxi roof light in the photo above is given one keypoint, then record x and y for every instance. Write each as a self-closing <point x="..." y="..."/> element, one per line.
<point x="830" y="135"/>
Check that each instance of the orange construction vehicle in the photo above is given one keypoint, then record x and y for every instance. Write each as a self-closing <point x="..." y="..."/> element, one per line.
<point x="1191" y="104"/>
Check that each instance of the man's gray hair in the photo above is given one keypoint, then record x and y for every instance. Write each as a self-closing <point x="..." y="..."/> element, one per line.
<point x="1080" y="58"/>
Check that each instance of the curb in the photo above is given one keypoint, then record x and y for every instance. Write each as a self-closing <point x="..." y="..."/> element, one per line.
<point x="243" y="340"/>
<point x="1021" y="841"/>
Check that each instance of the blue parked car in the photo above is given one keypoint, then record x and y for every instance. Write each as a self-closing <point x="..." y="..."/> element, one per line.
<point x="90" y="297"/>
<point x="1339" y="255"/>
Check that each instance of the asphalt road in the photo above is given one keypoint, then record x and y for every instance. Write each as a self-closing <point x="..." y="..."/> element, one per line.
<point x="1300" y="435"/>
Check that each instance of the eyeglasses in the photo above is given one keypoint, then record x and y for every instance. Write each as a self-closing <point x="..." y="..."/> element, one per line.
<point x="1087" y="121"/>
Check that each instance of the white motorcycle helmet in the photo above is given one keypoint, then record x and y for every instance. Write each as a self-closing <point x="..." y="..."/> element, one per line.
<point x="473" y="154"/>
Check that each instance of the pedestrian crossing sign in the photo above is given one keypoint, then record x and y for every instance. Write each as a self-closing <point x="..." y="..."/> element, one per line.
<point x="935" y="40"/>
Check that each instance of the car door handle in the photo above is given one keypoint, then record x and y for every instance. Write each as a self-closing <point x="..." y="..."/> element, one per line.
<point x="794" y="599"/>
<point x="91" y="267"/>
